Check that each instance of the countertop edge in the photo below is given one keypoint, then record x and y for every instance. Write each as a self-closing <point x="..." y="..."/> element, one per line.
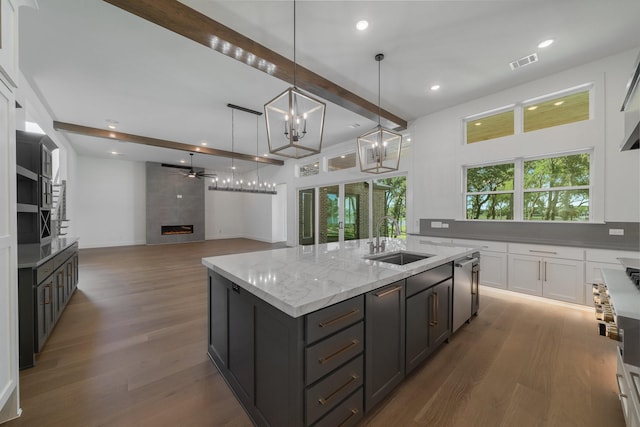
<point x="394" y="274"/>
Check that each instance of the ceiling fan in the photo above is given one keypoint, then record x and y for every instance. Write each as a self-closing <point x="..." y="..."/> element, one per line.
<point x="192" y="173"/>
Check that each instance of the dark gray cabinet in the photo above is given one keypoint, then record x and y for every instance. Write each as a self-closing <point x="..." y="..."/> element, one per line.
<point x="428" y="314"/>
<point x="330" y="366"/>
<point x="44" y="290"/>
<point x="259" y="350"/>
<point x="385" y="341"/>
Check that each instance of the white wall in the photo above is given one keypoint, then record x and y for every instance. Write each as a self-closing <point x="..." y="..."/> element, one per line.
<point x="240" y="215"/>
<point x="439" y="151"/>
<point x="110" y="209"/>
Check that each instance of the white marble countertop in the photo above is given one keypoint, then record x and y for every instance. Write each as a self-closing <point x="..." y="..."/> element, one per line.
<point x="624" y="295"/>
<point x="304" y="279"/>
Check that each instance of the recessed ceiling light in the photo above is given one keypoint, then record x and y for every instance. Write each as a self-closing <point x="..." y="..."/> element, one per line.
<point x="343" y="156"/>
<point x="111" y="124"/>
<point x="558" y="103"/>
<point x="115" y="153"/>
<point x="435" y="87"/>
<point x="408" y="139"/>
<point x="477" y="123"/>
<point x="182" y="161"/>
<point x="204" y="144"/>
<point x="533" y="107"/>
<point x="266" y="155"/>
<point x="545" y="43"/>
<point x="362" y="25"/>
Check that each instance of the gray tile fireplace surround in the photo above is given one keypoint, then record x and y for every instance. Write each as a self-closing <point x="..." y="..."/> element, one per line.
<point x="561" y="234"/>
<point x="173" y="200"/>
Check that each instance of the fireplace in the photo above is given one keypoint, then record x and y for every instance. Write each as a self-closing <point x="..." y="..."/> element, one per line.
<point x="167" y="230"/>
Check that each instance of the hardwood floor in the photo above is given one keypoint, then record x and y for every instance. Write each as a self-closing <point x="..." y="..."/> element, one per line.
<point x="130" y="350"/>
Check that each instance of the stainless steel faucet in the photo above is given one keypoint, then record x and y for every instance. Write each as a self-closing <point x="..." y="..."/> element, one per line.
<point x="379" y="247"/>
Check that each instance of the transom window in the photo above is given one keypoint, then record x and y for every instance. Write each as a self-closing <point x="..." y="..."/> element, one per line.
<point x="569" y="106"/>
<point x="554" y="188"/>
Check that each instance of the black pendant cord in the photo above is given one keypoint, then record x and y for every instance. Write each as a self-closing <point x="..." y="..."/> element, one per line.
<point x="379" y="57"/>
<point x="257" y="151"/>
<point x="294" y="43"/>
<point x="233" y="166"/>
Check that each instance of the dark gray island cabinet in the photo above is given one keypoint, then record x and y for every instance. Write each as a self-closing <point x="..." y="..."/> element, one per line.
<point x="330" y="366"/>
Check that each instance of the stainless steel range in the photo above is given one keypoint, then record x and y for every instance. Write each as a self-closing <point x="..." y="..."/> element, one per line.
<point x="617" y="303"/>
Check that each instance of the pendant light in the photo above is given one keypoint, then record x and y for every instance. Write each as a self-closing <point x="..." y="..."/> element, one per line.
<point x="379" y="148"/>
<point x="233" y="184"/>
<point x="295" y="120"/>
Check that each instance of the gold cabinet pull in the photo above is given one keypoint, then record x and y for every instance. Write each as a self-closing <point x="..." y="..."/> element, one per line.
<point x="432" y="320"/>
<point x="437" y="304"/>
<point x="354" y="411"/>
<point x="387" y="292"/>
<point x="543" y="252"/>
<point x="325" y="400"/>
<point x="339" y="318"/>
<point x="545" y="271"/>
<point x="47" y="299"/>
<point x="353" y="343"/>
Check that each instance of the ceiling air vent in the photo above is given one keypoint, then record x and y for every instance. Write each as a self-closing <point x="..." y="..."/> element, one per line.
<point x="526" y="60"/>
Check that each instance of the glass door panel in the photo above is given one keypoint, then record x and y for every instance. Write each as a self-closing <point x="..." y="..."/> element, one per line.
<point x="355" y="208"/>
<point x="390" y="198"/>
<point x="330" y="221"/>
<point x="306" y="210"/>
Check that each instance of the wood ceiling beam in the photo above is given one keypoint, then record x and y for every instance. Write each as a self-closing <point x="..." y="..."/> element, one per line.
<point x="162" y="143"/>
<point x="181" y="19"/>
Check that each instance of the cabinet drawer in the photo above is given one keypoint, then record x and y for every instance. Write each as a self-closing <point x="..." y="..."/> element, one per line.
<point x="45" y="270"/>
<point x="327" y="355"/>
<point x="328" y="320"/>
<point x="609" y="256"/>
<point x="482" y="245"/>
<point x="325" y="395"/>
<point x="348" y="413"/>
<point x="428" y="278"/>
<point x="547" y="251"/>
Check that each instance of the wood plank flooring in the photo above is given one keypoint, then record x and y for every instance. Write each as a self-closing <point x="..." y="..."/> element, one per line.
<point x="130" y="350"/>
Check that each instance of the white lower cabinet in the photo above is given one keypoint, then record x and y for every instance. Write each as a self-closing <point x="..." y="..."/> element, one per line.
<point x="493" y="269"/>
<point x="493" y="261"/>
<point x="550" y="276"/>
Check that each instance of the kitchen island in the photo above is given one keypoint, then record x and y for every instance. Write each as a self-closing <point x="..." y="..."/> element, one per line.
<point x="318" y="335"/>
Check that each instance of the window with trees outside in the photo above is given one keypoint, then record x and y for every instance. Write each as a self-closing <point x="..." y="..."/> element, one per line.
<point x="553" y="189"/>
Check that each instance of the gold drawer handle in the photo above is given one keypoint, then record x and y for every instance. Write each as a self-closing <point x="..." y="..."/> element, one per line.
<point x="324" y="401"/>
<point x="348" y="347"/>
<point x="354" y="411"/>
<point x="387" y="292"/>
<point x="339" y="318"/>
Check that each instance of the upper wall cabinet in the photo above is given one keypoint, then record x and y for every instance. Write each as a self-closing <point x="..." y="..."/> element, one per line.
<point x="9" y="41"/>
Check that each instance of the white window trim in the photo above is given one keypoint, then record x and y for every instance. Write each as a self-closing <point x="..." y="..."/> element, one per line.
<point x="519" y="190"/>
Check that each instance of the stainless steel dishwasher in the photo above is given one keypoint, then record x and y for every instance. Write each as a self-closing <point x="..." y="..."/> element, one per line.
<point x="466" y="298"/>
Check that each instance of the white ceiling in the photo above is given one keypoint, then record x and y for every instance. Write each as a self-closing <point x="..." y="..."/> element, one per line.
<point x="91" y="61"/>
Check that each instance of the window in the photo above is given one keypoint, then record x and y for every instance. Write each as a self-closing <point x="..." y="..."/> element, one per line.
<point x="345" y="161"/>
<point x="557" y="111"/>
<point x="309" y="169"/>
<point x="557" y="188"/>
<point x="553" y="189"/>
<point x="568" y="106"/>
<point x="490" y="192"/>
<point x="490" y="127"/>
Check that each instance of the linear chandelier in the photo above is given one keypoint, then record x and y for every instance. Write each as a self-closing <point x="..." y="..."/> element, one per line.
<point x="239" y="185"/>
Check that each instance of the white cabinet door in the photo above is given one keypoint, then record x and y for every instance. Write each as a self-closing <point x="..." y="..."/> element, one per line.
<point x="525" y="274"/>
<point x="8" y="259"/>
<point x="563" y="279"/>
<point x="493" y="269"/>
<point x="8" y="41"/>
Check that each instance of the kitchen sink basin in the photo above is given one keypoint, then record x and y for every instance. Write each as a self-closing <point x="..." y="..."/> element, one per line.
<point x="399" y="258"/>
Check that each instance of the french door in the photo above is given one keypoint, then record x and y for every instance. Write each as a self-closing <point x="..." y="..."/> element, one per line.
<point x="349" y="211"/>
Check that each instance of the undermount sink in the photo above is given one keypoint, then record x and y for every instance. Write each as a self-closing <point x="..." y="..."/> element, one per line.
<point x="399" y="258"/>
